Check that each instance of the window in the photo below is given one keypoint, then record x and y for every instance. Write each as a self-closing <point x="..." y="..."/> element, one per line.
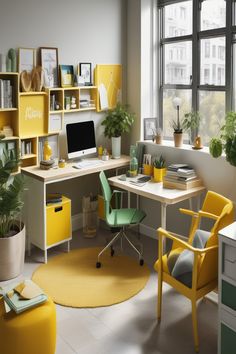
<point x="196" y="70"/>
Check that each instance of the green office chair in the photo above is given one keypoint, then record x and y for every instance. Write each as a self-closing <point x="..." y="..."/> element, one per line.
<point x="118" y="219"/>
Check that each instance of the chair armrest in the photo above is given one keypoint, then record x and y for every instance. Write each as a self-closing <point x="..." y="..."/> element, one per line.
<point x="204" y="214"/>
<point x="118" y="191"/>
<point x="188" y="212"/>
<point x="118" y="198"/>
<point x="183" y="243"/>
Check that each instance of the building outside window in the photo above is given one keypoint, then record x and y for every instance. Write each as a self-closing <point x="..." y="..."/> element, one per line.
<point x="200" y="71"/>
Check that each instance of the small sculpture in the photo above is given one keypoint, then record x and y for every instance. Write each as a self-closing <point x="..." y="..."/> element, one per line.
<point x="197" y="143"/>
<point x="47" y="151"/>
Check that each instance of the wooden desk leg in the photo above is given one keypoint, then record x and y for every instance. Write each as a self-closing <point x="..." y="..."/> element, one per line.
<point x="128" y="199"/>
<point x="163" y="222"/>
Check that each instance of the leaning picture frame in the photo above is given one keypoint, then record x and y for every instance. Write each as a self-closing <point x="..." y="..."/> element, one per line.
<point x="85" y="70"/>
<point x="26" y="59"/>
<point x="67" y="75"/>
<point x="49" y="63"/>
<point x="150" y="127"/>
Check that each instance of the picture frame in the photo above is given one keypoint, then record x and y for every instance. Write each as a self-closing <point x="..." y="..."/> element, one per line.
<point x="85" y="70"/>
<point x="150" y="127"/>
<point x="67" y="75"/>
<point x="49" y="63"/>
<point x="26" y="59"/>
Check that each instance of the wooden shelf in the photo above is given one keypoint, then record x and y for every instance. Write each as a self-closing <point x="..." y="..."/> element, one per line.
<point x="8" y="109"/>
<point x="87" y="109"/>
<point x="32" y="93"/>
<point x="28" y="156"/>
<point x="8" y="138"/>
<point x="55" y="112"/>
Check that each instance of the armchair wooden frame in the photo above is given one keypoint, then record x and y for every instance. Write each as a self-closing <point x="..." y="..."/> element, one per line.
<point x="204" y="272"/>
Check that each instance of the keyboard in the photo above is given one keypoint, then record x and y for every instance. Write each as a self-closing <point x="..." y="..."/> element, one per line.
<point x="144" y="179"/>
<point x="88" y="163"/>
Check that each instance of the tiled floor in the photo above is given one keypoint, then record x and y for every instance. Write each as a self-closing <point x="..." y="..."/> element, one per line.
<point x="131" y="327"/>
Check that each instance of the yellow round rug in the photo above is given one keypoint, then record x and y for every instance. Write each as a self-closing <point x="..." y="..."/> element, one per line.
<point x="72" y="279"/>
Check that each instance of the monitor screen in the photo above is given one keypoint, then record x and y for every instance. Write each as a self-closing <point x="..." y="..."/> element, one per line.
<point x="80" y="139"/>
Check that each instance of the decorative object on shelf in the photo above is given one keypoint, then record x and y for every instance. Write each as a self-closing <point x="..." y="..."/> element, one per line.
<point x="27" y="59"/>
<point x="37" y="79"/>
<point x="100" y="150"/>
<point x="197" y="143"/>
<point x="157" y="137"/>
<point x="11" y="61"/>
<point x="133" y="165"/>
<point x="105" y="155"/>
<point x="73" y="102"/>
<point x="159" y="169"/>
<point x="7" y="131"/>
<point x="2" y="63"/>
<point x="47" y="151"/>
<point x="85" y="70"/>
<point x="117" y="121"/>
<point x="46" y="164"/>
<point x="79" y="81"/>
<point x="67" y="75"/>
<point x="12" y="231"/>
<point x="25" y="80"/>
<point x="150" y="128"/>
<point x="49" y="63"/>
<point x="62" y="163"/>
<point x="191" y="124"/>
<point x="177" y="125"/>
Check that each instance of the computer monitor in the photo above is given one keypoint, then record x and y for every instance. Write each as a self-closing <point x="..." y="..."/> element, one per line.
<point x="80" y="139"/>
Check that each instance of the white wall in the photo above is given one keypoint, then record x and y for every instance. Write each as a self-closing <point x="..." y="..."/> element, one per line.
<point x="82" y="30"/>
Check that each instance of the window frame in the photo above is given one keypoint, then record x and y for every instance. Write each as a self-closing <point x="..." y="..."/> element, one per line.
<point x="228" y="32"/>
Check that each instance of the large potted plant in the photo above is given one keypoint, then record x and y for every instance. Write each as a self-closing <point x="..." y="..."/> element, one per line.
<point x="226" y="141"/>
<point x="117" y="121"/>
<point x="12" y="230"/>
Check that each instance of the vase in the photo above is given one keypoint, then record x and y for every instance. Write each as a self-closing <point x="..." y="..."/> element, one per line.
<point x="47" y="151"/>
<point x="178" y="139"/>
<point x="158" y="174"/>
<point x="12" y="255"/>
<point x="116" y="147"/>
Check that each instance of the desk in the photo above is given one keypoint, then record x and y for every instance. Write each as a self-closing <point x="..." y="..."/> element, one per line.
<point x="36" y="197"/>
<point x="155" y="191"/>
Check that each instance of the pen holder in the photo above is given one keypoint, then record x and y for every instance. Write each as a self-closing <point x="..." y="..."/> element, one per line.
<point x="147" y="170"/>
<point x="159" y="173"/>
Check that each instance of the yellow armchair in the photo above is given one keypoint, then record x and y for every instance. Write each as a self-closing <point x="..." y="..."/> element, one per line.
<point x="205" y="260"/>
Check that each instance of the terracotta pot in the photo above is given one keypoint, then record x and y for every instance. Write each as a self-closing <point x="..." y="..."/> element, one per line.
<point x="178" y="139"/>
<point x="158" y="174"/>
<point x="158" y="139"/>
<point x="12" y="255"/>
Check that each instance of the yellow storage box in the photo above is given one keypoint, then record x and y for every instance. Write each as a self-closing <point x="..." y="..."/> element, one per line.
<point x="58" y="221"/>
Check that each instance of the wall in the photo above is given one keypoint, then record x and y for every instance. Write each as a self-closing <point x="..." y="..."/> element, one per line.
<point x="84" y="31"/>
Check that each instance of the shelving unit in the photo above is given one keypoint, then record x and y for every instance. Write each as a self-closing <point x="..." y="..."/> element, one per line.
<point x="227" y="290"/>
<point x="36" y="115"/>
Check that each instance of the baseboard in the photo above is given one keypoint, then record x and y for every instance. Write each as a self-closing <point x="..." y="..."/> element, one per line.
<point x="148" y="231"/>
<point x="77" y="221"/>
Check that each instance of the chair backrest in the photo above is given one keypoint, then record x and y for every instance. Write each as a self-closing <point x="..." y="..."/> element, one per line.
<point x="106" y="192"/>
<point x="221" y="206"/>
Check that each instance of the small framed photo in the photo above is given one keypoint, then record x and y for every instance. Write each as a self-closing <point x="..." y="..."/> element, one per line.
<point x="27" y="59"/>
<point x="67" y="75"/>
<point x="150" y="127"/>
<point x="49" y="63"/>
<point x="85" y="70"/>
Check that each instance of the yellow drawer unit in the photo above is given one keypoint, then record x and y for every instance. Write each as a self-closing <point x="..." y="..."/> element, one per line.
<point x="58" y="218"/>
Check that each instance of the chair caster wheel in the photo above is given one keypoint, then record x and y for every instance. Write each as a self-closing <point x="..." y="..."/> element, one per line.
<point x="112" y="252"/>
<point x="98" y="265"/>
<point x="141" y="262"/>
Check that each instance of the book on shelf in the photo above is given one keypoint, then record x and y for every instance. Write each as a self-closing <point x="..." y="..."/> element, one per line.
<point x="180" y="178"/>
<point x="6" y="97"/>
<point x="181" y="184"/>
<point x="176" y="166"/>
<point x="23" y="296"/>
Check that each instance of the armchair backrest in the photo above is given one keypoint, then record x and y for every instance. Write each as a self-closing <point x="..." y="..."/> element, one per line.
<point x="106" y="191"/>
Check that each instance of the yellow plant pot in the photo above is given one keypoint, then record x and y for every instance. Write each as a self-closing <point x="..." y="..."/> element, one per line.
<point x="147" y="170"/>
<point x="159" y="173"/>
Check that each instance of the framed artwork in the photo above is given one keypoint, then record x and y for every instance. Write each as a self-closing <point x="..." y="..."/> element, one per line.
<point x="85" y="70"/>
<point x="67" y="75"/>
<point x="150" y="127"/>
<point x="49" y="63"/>
<point x="27" y="59"/>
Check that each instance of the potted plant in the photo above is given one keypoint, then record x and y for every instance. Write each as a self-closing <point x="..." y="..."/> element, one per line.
<point x="191" y="124"/>
<point x="159" y="170"/>
<point x="117" y="121"/>
<point x="177" y="125"/>
<point x="227" y="140"/>
<point x="12" y="231"/>
<point x="157" y="136"/>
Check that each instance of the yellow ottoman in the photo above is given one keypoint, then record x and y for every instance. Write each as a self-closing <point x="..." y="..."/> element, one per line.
<point x="31" y="332"/>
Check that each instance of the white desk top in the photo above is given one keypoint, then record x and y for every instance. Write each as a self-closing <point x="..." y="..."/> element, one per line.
<point x="68" y="172"/>
<point x="155" y="191"/>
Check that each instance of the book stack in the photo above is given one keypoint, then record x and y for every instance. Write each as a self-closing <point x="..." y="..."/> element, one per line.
<point x="53" y="198"/>
<point x="6" y="99"/>
<point x="181" y="176"/>
<point x="23" y="296"/>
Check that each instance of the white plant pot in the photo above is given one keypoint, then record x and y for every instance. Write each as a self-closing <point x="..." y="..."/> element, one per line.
<point x="116" y="147"/>
<point x="12" y="255"/>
